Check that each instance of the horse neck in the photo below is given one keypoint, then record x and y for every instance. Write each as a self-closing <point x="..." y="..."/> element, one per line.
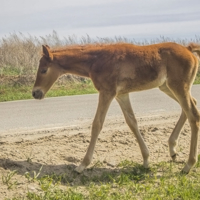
<point x="76" y="63"/>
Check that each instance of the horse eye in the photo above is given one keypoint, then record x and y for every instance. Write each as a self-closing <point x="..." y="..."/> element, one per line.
<point x="43" y="71"/>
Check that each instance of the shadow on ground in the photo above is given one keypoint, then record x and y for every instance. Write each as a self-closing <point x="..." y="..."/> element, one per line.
<point x="66" y="175"/>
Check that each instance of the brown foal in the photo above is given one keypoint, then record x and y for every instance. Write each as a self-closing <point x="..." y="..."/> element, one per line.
<point x="116" y="70"/>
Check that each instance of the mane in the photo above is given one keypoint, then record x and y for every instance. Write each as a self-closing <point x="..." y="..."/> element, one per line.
<point x="81" y="47"/>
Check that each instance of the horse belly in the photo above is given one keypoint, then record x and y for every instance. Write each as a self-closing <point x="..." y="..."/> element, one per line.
<point x="138" y="80"/>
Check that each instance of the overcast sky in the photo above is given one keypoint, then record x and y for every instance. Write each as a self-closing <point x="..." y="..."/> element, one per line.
<point x="139" y="19"/>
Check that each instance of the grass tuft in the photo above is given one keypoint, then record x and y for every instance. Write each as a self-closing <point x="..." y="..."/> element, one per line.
<point x="127" y="181"/>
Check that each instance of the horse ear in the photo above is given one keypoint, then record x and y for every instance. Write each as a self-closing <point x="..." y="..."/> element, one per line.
<point x="47" y="46"/>
<point x="46" y="52"/>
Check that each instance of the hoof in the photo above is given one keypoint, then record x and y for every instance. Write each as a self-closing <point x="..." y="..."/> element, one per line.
<point x="182" y="172"/>
<point x="146" y="165"/>
<point x="174" y="157"/>
<point x="186" y="169"/>
<point x="79" y="169"/>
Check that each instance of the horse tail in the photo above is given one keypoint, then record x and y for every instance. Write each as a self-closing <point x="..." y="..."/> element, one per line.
<point x="194" y="48"/>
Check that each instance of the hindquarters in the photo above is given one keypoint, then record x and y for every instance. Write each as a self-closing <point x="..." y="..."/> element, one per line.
<point x="181" y="71"/>
<point x="182" y="65"/>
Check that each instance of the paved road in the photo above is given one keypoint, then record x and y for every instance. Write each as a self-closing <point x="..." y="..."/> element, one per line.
<point x="70" y="110"/>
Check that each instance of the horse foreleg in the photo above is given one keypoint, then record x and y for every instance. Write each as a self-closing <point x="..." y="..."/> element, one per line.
<point x="103" y="105"/>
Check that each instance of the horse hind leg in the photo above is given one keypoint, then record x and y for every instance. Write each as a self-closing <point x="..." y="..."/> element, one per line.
<point x="188" y="105"/>
<point x="173" y="139"/>
<point x="126" y="108"/>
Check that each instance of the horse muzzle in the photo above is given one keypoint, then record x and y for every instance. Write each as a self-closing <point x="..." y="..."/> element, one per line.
<point x="38" y="94"/>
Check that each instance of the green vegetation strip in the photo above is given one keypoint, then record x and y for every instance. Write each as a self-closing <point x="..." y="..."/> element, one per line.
<point x="127" y="181"/>
<point x="8" y="93"/>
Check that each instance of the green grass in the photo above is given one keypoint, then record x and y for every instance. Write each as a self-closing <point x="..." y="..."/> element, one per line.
<point x="128" y="181"/>
<point x="8" y="93"/>
<point x="197" y="79"/>
<point x="10" y="71"/>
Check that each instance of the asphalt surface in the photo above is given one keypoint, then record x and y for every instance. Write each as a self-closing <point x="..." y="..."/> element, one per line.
<point x="65" y="111"/>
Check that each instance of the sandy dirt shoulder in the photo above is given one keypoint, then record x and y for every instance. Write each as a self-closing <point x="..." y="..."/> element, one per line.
<point x="60" y="150"/>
